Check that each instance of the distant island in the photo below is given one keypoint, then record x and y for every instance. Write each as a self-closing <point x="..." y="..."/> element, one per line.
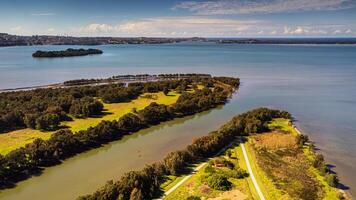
<point x="66" y="53"/>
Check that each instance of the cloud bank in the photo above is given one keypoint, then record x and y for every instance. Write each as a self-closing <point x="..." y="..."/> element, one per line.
<point x="171" y="27"/>
<point x="228" y="7"/>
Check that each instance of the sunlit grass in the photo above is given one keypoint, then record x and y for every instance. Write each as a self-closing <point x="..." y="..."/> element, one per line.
<point x="116" y="110"/>
<point x="19" y="138"/>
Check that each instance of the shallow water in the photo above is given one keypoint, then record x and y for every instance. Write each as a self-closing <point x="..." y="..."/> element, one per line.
<point x="315" y="83"/>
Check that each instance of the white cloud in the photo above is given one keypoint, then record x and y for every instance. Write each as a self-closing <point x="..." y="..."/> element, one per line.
<point x="171" y="27"/>
<point x="348" y="31"/>
<point x="316" y="30"/>
<point x="222" y="7"/>
<point x="96" y="28"/>
<point x="204" y="26"/>
<point x="337" y="31"/>
<point x="18" y="30"/>
<point x="50" y="31"/>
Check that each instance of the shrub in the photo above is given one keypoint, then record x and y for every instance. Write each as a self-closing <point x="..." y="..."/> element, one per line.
<point x="209" y="169"/>
<point x="219" y="182"/>
<point x="332" y="179"/>
<point x="193" y="198"/>
<point x="237" y="173"/>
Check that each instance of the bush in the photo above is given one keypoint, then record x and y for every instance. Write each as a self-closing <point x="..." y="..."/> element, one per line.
<point x="219" y="182"/>
<point x="331" y="179"/>
<point x="209" y="169"/>
<point x="193" y="198"/>
<point x="237" y="173"/>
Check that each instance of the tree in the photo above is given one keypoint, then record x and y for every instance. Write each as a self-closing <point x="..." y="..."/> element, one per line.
<point x="48" y="122"/>
<point x="136" y="194"/>
<point x="219" y="182"/>
<point x="165" y="91"/>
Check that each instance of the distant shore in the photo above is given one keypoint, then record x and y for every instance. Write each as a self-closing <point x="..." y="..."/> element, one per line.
<point x="112" y="80"/>
<point x="16" y="40"/>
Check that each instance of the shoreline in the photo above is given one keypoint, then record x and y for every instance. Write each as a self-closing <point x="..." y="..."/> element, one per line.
<point x="102" y="81"/>
<point x="345" y="192"/>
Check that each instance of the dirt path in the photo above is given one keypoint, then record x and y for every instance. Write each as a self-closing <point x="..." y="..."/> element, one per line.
<point x="193" y="172"/>
<point x="260" y="194"/>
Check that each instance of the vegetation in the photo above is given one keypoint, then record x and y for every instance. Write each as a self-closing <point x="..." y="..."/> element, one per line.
<point x="21" y="109"/>
<point x="147" y="181"/>
<point x="66" y="53"/>
<point x="19" y="138"/>
<point x="30" y="159"/>
<point x="281" y="155"/>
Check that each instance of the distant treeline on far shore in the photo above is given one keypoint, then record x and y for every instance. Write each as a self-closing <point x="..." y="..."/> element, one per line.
<point x="138" y="77"/>
<point x="66" y="53"/>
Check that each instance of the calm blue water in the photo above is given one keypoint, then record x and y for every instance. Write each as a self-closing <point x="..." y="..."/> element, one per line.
<point x="316" y="83"/>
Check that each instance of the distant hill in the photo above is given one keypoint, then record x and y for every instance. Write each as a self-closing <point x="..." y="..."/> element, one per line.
<point x="15" y="40"/>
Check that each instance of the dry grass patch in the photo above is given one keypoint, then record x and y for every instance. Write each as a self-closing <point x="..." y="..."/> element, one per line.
<point x="275" y="141"/>
<point x="279" y="156"/>
<point x="233" y="194"/>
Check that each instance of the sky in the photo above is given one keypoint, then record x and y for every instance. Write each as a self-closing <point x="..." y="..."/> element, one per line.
<point x="180" y="18"/>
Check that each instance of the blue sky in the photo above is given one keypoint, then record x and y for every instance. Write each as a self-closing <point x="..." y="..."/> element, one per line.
<point x="180" y="18"/>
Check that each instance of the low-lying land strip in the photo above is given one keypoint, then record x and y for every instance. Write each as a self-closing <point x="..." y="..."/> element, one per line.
<point x="148" y="183"/>
<point x="281" y="164"/>
<point x="80" y="104"/>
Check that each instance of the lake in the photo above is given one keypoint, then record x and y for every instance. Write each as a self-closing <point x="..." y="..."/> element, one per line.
<point x="316" y="83"/>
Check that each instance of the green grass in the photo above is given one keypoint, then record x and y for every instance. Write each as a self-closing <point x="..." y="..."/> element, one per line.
<point x="116" y="110"/>
<point x="252" y="192"/>
<point x="19" y="138"/>
<point x="196" y="186"/>
<point x="282" y="124"/>
<point x="172" y="180"/>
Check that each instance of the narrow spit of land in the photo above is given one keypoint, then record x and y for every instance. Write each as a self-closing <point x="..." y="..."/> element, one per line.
<point x="75" y="119"/>
<point x="292" y="154"/>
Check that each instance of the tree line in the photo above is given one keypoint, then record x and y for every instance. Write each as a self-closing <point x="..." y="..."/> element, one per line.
<point x="44" y="109"/>
<point x="23" y="162"/>
<point x="145" y="184"/>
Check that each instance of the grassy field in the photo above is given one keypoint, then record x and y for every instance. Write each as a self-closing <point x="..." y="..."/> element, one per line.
<point x="294" y="175"/>
<point x="197" y="186"/>
<point x="19" y="138"/>
<point x="117" y="110"/>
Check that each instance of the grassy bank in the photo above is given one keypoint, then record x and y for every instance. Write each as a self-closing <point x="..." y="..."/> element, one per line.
<point x="19" y="138"/>
<point x="282" y="167"/>
<point x="285" y="167"/>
